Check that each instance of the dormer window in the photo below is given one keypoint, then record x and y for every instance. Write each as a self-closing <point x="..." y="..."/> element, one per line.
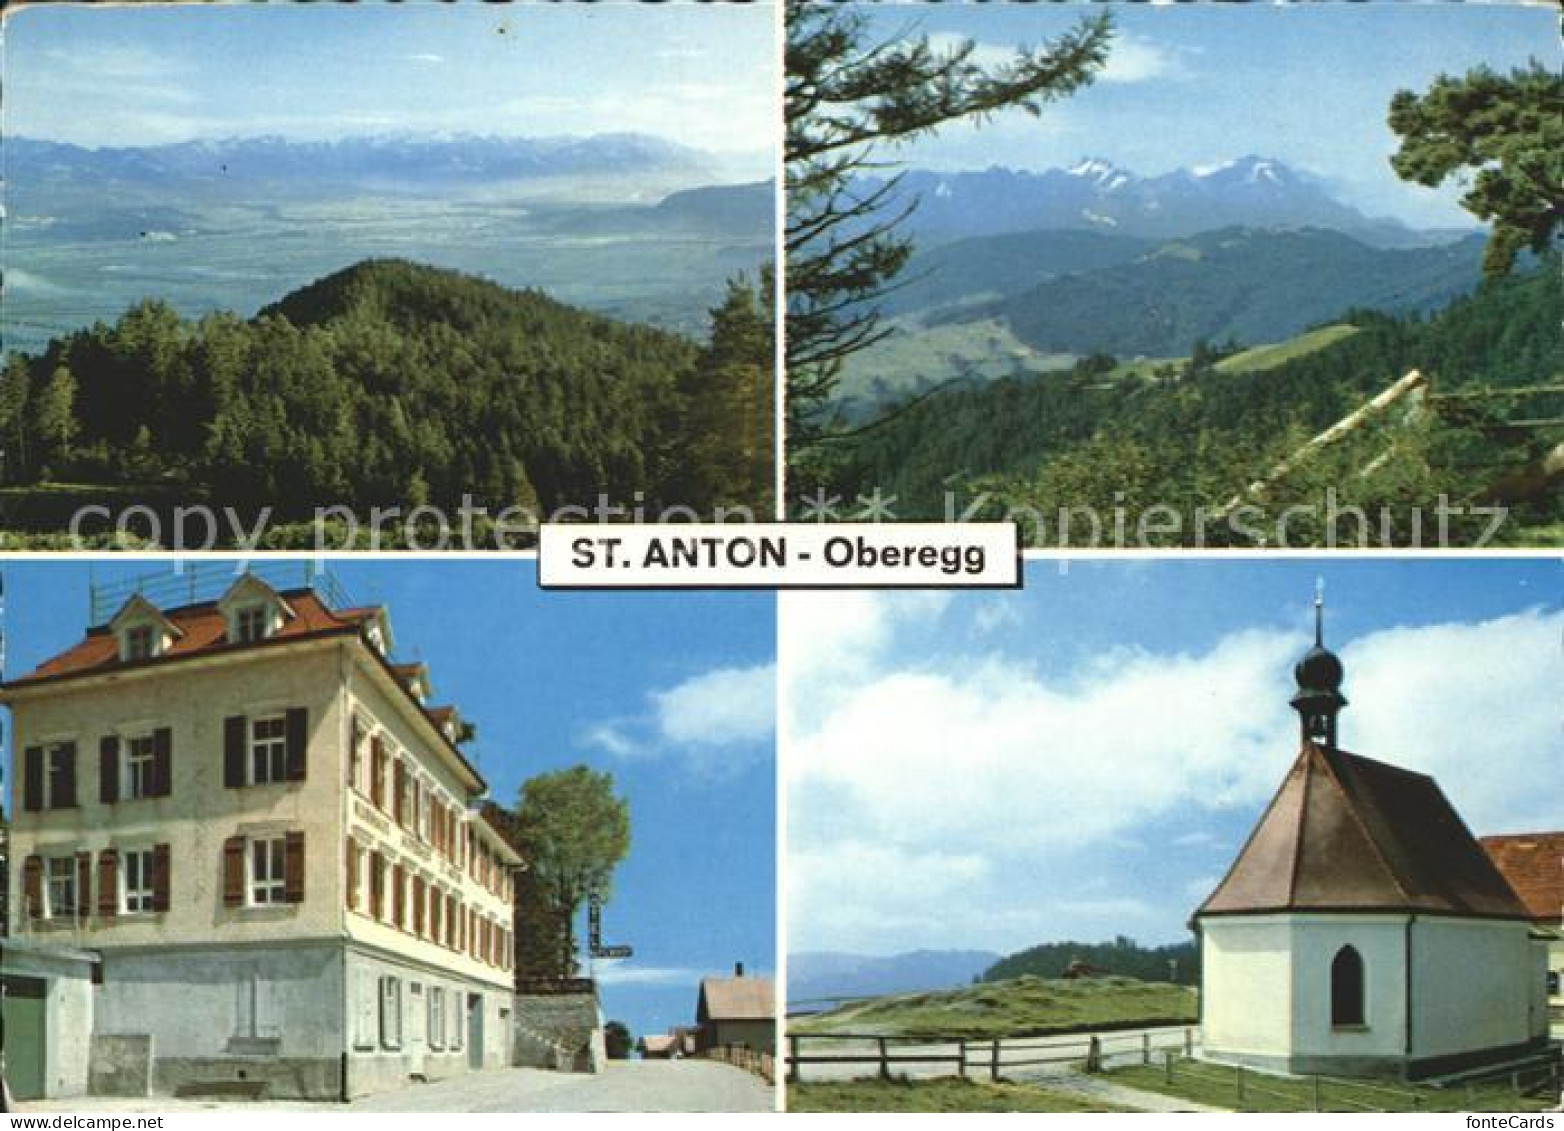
<point x="251" y="623"/>
<point x="139" y="642"/>
<point x="254" y="610"/>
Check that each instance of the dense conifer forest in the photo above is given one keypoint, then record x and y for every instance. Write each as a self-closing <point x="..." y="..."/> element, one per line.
<point x="1190" y="434"/>
<point x="391" y="383"/>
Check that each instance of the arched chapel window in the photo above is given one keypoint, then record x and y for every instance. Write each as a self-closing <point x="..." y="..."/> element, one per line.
<point x="1346" y="988"/>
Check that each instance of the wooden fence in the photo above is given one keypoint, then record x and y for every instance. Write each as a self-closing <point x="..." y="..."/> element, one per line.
<point x="1249" y="1090"/>
<point x="762" y="1064"/>
<point x="968" y="1056"/>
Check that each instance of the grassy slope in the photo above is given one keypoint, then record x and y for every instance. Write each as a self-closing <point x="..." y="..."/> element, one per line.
<point x="914" y="358"/>
<point x="1025" y="1006"/>
<point x="1256" y="359"/>
<point x="933" y="1095"/>
<point x="1216" y="1086"/>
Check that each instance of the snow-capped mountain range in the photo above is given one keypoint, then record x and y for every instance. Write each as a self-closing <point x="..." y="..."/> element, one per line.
<point x="1097" y="194"/>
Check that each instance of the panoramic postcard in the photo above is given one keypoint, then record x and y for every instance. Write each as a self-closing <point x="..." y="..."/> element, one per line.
<point x="469" y="265"/>
<point x="1178" y="275"/>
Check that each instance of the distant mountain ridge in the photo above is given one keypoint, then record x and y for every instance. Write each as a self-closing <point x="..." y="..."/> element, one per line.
<point x="821" y="975"/>
<point x="1249" y="285"/>
<point x="1097" y="195"/>
<point x="403" y="159"/>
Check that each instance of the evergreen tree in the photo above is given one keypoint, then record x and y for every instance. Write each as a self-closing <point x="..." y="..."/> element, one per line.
<point x="849" y="98"/>
<point x="1503" y="132"/>
<point x="54" y="417"/>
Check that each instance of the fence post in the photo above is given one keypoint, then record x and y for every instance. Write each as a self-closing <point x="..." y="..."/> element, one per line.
<point x="792" y="1058"/>
<point x="1316" y="1093"/>
<point x="993" y="1062"/>
<point x="1167" y="1066"/>
<point x="1515" y="1082"/>
<point x="1145" y="1048"/>
<point x="962" y="1044"/>
<point x="1094" y="1054"/>
<point x="885" y="1064"/>
<point x="1238" y="1080"/>
<point x="1189" y="1043"/>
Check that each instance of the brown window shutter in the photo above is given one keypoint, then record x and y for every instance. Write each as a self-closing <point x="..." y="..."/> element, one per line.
<point x="436" y="914"/>
<point x="377" y="886"/>
<point x="293" y="868"/>
<point x="377" y="772"/>
<point x="32" y="779"/>
<point x="233" y="753"/>
<point x="32" y="885"/>
<point x="399" y="798"/>
<point x="83" y="884"/>
<point x="108" y="883"/>
<point x="418" y="906"/>
<point x="108" y="769"/>
<point x="398" y="895"/>
<point x="161" y="863"/>
<point x="67" y="779"/>
<point x="350" y="861"/>
<point x="233" y="871"/>
<point x="162" y="762"/>
<point x="355" y="737"/>
<point x="297" y="728"/>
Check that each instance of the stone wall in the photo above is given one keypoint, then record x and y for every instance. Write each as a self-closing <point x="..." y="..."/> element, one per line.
<point x="561" y="1032"/>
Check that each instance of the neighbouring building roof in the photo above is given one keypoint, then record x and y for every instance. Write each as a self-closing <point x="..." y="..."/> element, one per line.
<point x="657" y="1045"/>
<point x="1533" y="863"/>
<point x="737" y="999"/>
<point x="201" y="628"/>
<point x="1347" y="833"/>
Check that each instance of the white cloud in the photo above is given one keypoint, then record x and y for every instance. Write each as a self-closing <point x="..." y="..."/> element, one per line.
<point x="612" y="739"/>
<point x="1478" y="706"/>
<point x="714" y="722"/>
<point x="621" y="973"/>
<point x="425" y="57"/>
<point x="944" y="800"/>
<point x="1132" y="59"/>
<point x="720" y="708"/>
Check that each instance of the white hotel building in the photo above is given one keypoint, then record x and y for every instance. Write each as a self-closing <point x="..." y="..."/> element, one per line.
<point x="270" y="839"/>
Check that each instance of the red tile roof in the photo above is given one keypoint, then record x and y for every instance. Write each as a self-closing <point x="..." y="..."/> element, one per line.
<point x="1533" y="863"/>
<point x="202" y="629"/>
<point x="1347" y="833"/>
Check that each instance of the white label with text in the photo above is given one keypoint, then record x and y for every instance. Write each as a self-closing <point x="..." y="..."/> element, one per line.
<point x="856" y="555"/>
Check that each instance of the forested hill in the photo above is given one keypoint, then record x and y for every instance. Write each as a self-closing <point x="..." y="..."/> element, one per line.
<point x="394" y="383"/>
<point x="1192" y="433"/>
<point x="1244" y="284"/>
<point x="1178" y="963"/>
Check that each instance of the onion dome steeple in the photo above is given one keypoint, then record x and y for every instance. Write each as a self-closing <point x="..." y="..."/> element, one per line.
<point x="1318" y="699"/>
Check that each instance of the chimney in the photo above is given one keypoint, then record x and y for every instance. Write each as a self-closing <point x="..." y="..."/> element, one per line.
<point x="738" y="969"/>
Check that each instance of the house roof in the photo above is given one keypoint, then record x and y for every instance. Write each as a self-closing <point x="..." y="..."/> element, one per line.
<point x="654" y="1043"/>
<point x="1347" y="833"/>
<point x="737" y="999"/>
<point x="201" y="629"/>
<point x="1533" y="864"/>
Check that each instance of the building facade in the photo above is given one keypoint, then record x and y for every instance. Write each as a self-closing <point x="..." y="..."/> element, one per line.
<point x="1533" y="863"/>
<point x="1362" y="930"/>
<point x="736" y="1012"/>
<point x="270" y="838"/>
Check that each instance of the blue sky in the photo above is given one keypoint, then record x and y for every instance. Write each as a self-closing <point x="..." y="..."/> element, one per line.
<point x="1197" y="84"/>
<point x="701" y="74"/>
<point x="1084" y="757"/>
<point x="672" y="692"/>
